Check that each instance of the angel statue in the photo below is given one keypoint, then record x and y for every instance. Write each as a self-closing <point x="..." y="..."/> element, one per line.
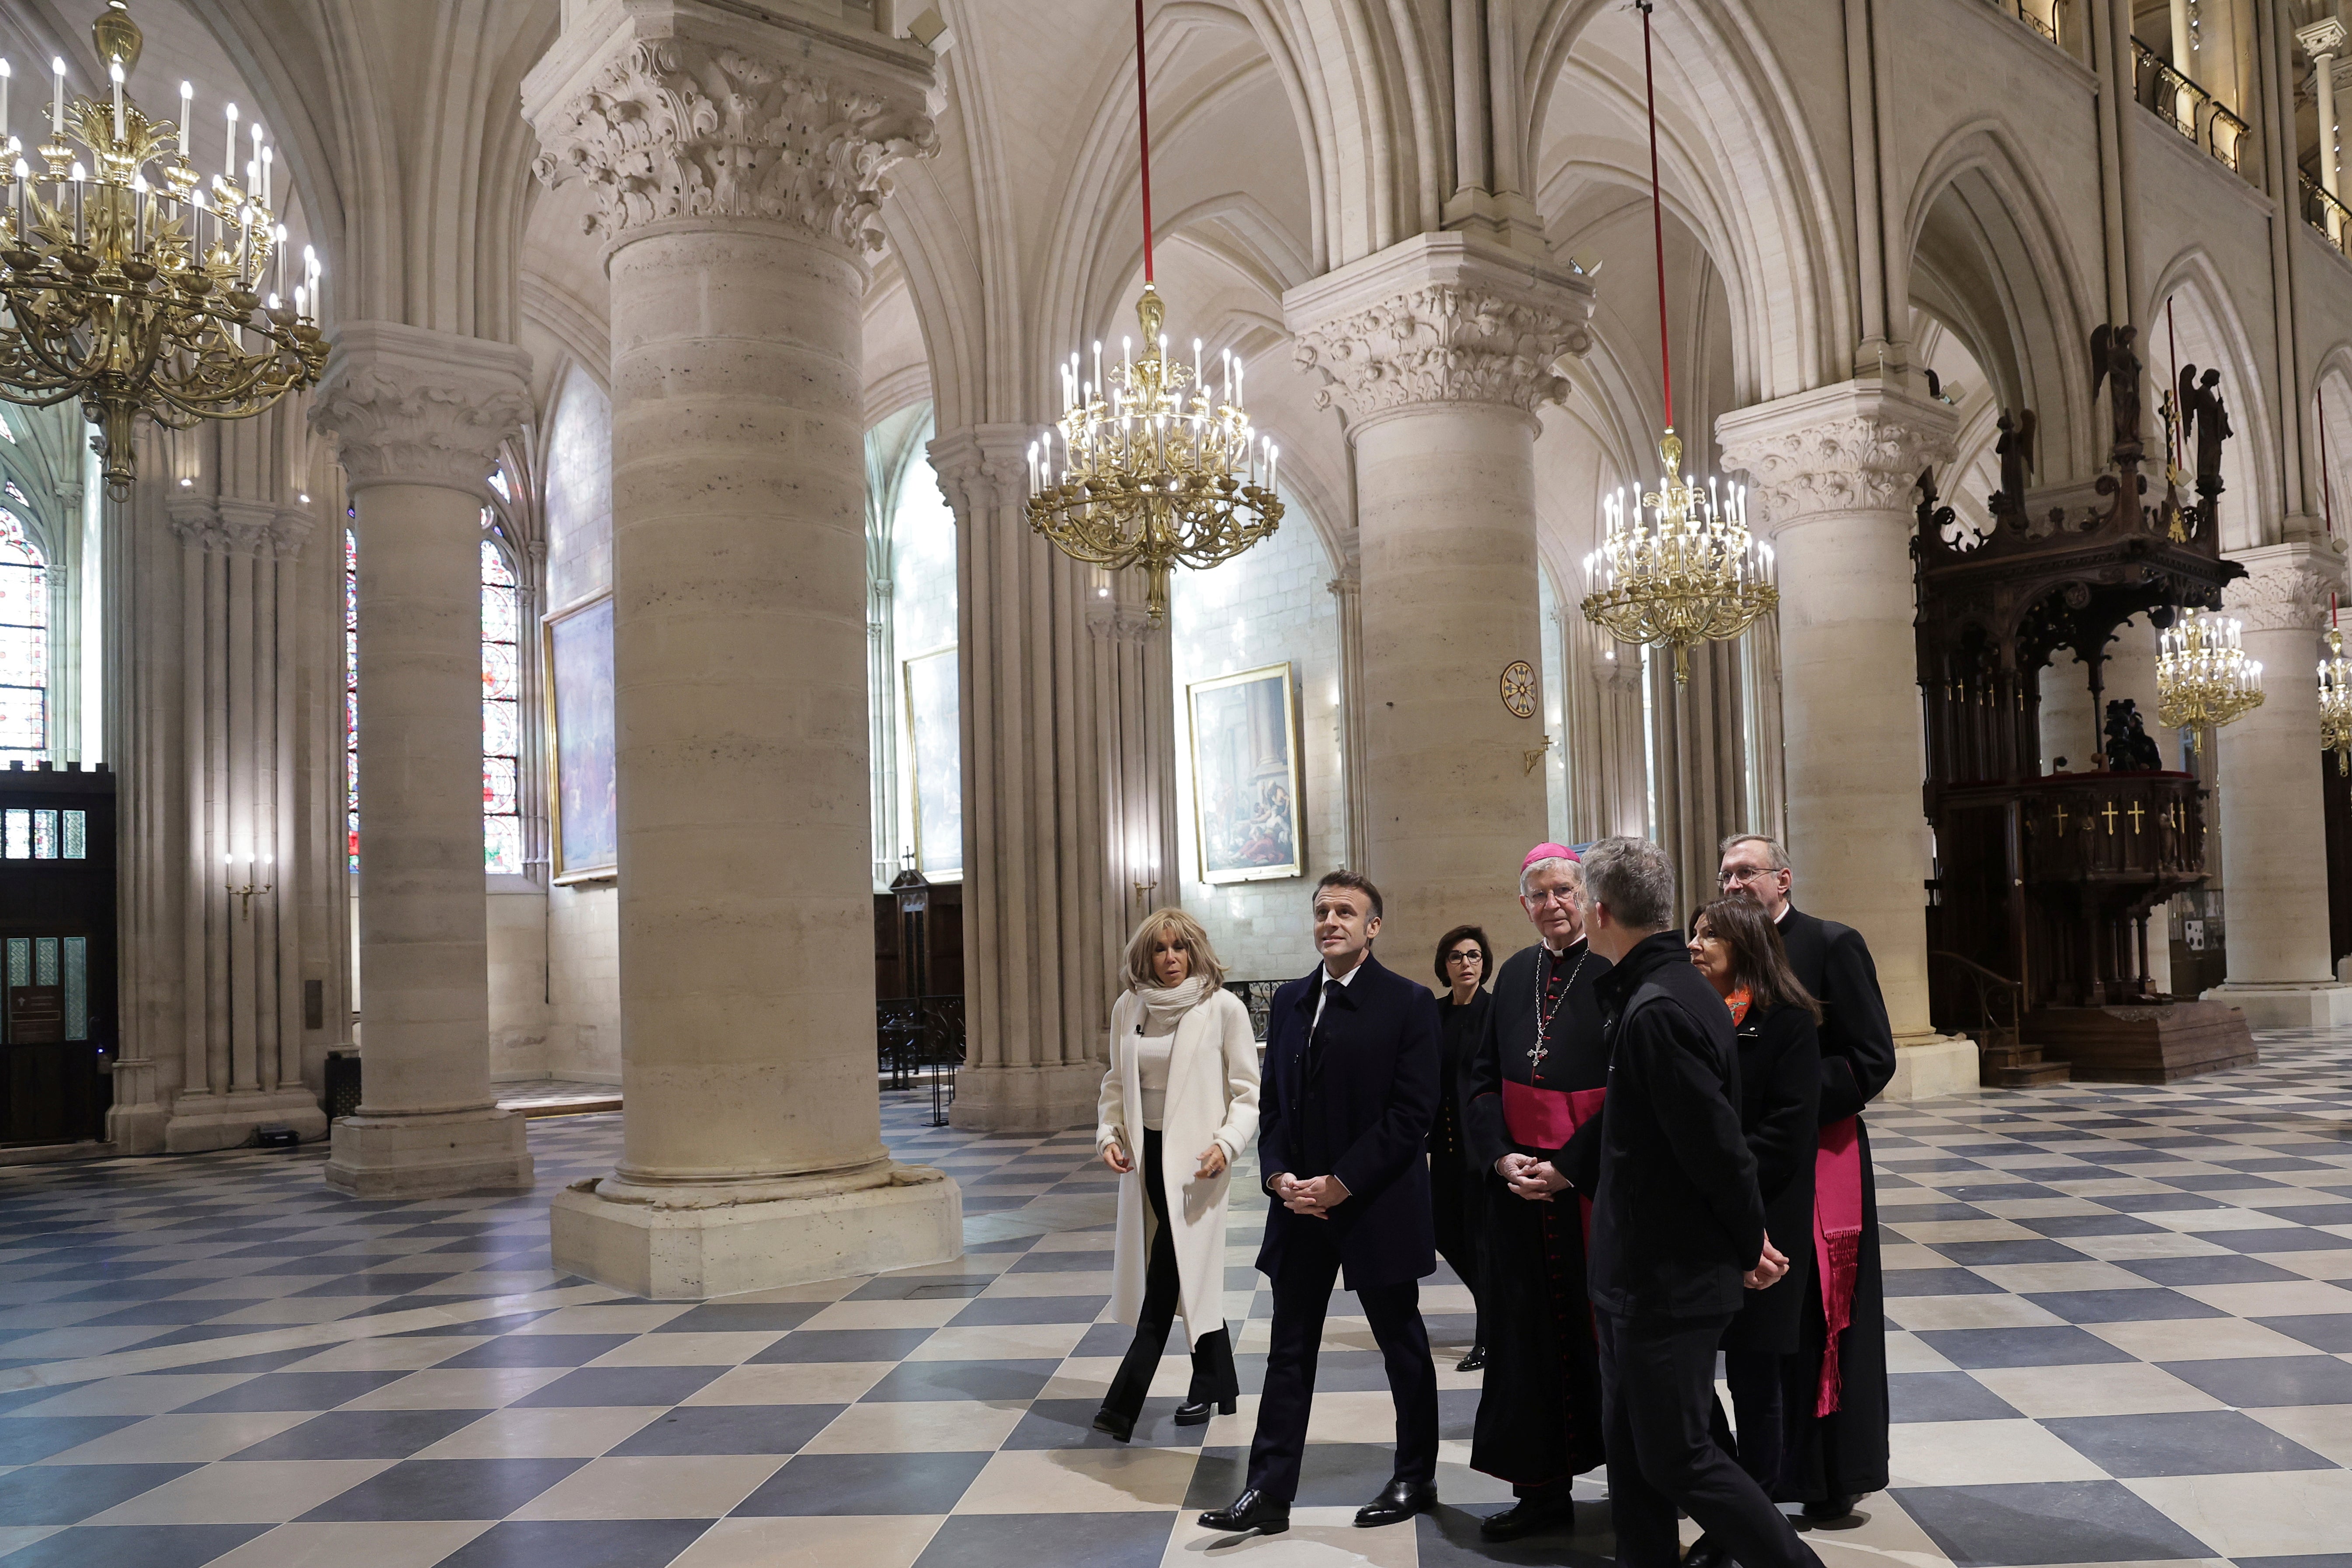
<point x="2206" y="418"/>
<point x="2115" y="363"/>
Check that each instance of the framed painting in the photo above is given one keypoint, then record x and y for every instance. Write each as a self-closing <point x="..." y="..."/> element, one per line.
<point x="1245" y="776"/>
<point x="935" y="753"/>
<point x="585" y="822"/>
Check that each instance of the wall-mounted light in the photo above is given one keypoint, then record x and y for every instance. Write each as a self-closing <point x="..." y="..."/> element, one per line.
<point x="244" y="895"/>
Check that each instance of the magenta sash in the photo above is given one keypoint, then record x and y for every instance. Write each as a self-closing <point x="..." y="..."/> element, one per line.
<point x="1547" y="1118"/>
<point x="1837" y="1243"/>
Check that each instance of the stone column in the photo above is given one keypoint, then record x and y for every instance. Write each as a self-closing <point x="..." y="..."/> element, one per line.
<point x="1038" y="879"/>
<point x="1135" y="734"/>
<point x="2274" y="890"/>
<point x="2323" y="41"/>
<point x="1439" y="349"/>
<point x="1833" y="474"/>
<point x="419" y="416"/>
<point x="1347" y="588"/>
<point x="735" y="161"/>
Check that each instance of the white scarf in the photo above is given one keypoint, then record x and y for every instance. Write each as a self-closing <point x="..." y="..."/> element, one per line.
<point x="1165" y="1007"/>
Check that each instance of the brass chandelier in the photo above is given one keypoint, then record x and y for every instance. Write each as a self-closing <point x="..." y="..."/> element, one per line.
<point x="1148" y="468"/>
<point x="2203" y="676"/>
<point x="2336" y="699"/>
<point x="1676" y="568"/>
<point x="132" y="282"/>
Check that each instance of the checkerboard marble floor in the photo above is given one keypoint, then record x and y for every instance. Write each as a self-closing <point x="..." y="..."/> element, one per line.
<point x="2120" y="1323"/>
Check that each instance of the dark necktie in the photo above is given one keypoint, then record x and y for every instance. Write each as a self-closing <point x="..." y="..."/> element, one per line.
<point x="1322" y="1029"/>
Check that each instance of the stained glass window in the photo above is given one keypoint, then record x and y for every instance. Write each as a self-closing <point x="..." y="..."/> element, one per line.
<point x="14" y="494"/>
<point x="24" y="645"/>
<point x="502" y="714"/>
<point x="77" y="834"/>
<point x="45" y="836"/>
<point x="351" y="697"/>
<point x="76" y="957"/>
<point x="6" y="434"/>
<point x="16" y="834"/>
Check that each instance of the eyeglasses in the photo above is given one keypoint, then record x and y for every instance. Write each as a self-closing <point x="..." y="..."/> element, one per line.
<point x="1470" y="957"/>
<point x="1731" y="874"/>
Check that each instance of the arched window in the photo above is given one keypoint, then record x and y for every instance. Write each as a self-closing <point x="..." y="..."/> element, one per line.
<point x="24" y="645"/>
<point x="351" y="697"/>
<point x="501" y="718"/>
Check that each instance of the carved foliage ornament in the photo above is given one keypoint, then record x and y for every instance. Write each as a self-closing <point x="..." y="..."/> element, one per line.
<point x="394" y="428"/>
<point x="1845" y="463"/>
<point x="674" y="128"/>
<point x="1442" y="343"/>
<point x="2278" y="597"/>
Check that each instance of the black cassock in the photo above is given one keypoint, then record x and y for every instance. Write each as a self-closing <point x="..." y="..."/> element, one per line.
<point x="1844" y="1453"/>
<point x="1539" y="1410"/>
<point x="1456" y="1204"/>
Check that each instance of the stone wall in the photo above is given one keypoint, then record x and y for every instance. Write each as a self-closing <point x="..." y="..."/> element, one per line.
<point x="1267" y="606"/>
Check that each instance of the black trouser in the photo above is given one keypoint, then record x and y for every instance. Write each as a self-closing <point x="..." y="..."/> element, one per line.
<point x="1657" y="1386"/>
<point x="1754" y="1379"/>
<point x="1302" y="1295"/>
<point x="1214" y="1377"/>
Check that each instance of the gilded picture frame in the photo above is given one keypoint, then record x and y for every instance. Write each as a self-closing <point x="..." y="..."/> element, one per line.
<point x="1248" y="821"/>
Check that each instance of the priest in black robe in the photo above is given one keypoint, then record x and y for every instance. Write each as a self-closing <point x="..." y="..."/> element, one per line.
<point x="1835" y="1392"/>
<point x="1536" y="1082"/>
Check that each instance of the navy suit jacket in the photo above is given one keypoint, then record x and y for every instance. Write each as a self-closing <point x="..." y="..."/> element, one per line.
<point x="1361" y="1111"/>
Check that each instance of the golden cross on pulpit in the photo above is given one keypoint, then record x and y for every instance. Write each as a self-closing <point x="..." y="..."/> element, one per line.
<point x="2061" y="819"/>
<point x="2136" y="813"/>
<point x="2110" y="813"/>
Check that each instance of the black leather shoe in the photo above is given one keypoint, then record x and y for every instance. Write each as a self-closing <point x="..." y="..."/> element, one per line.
<point x="1398" y="1502"/>
<point x="1706" y="1554"/>
<point x="1252" y="1512"/>
<point x="1195" y="1412"/>
<point x="1473" y="1361"/>
<point x="1829" y="1510"/>
<point x="1526" y="1516"/>
<point x="1111" y="1424"/>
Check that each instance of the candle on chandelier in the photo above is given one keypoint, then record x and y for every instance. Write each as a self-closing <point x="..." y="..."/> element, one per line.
<point x="268" y="170"/>
<point x="187" y="110"/>
<point x="316" y="276"/>
<point x="228" y="156"/>
<point x="277" y="258"/>
<point x="57" y="97"/>
<point x="7" y="143"/>
<point x="253" y="168"/>
<point x="114" y="73"/>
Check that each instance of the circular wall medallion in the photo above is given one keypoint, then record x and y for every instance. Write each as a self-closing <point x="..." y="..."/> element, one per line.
<point x="1519" y="689"/>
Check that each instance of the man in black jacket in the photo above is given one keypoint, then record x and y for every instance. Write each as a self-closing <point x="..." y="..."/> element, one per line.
<point x="1833" y="1460"/>
<point x="1345" y="1103"/>
<point x="1677" y="1227"/>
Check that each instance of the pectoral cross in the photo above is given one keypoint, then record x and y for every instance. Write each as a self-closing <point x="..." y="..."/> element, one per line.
<point x="2110" y="815"/>
<point x="2136" y="813"/>
<point x="2061" y="819"/>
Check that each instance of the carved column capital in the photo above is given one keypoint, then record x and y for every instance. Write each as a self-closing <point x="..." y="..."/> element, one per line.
<point x="709" y="113"/>
<point x="1121" y="623"/>
<point x="233" y="526"/>
<point x="2285" y="588"/>
<point x="1441" y="319"/>
<point x="2323" y="39"/>
<point x="1858" y="446"/>
<point x="409" y="406"/>
<point x="982" y="467"/>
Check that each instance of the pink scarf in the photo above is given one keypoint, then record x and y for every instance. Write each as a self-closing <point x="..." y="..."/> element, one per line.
<point x="1837" y="1242"/>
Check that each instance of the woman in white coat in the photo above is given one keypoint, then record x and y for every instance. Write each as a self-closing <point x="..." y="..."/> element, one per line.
<point x="1179" y="1103"/>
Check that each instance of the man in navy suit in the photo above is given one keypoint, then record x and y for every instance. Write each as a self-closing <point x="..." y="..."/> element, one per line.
<point x="1348" y="1092"/>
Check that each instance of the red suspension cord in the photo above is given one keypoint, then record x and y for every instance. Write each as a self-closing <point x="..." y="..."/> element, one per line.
<point x="1143" y="139"/>
<point x="1657" y="211"/>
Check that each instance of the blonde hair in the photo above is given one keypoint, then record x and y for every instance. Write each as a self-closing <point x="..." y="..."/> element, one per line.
<point x="1174" y="922"/>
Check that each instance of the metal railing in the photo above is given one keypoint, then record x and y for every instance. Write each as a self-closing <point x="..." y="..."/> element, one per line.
<point x="1258" y="995"/>
<point x="1990" y="985"/>
<point x="2188" y="108"/>
<point x="920" y="1043"/>
<point x="2041" y="16"/>
<point x="2326" y="213"/>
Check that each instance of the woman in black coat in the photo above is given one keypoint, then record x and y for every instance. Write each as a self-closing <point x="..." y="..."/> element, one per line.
<point x="1464" y="963"/>
<point x="1735" y="946"/>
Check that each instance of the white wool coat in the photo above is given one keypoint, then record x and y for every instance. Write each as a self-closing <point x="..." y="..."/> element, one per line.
<point x="1212" y="1098"/>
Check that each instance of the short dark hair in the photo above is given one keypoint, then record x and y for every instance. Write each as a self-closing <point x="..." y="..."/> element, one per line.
<point x="1633" y="878"/>
<point x="1343" y="878"/>
<point x="1760" y="960"/>
<point x="1454" y="938"/>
